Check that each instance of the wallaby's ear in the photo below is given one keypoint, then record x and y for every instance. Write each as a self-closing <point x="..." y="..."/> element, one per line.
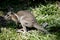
<point x="13" y="13"/>
<point x="9" y="13"/>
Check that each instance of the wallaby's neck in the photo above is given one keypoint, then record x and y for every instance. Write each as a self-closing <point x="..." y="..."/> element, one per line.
<point x="18" y="17"/>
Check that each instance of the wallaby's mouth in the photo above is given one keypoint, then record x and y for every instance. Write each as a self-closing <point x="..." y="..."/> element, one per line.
<point x="6" y="18"/>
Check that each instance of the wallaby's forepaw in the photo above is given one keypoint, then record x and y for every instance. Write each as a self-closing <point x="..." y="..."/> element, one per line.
<point x="19" y="30"/>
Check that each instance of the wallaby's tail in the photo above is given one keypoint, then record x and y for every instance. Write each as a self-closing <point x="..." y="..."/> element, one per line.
<point x="40" y="28"/>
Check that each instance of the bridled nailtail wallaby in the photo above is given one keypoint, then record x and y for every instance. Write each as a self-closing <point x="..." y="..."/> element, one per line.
<point x="26" y="19"/>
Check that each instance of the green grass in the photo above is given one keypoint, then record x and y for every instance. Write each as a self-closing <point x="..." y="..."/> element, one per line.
<point x="49" y="13"/>
<point x="10" y="34"/>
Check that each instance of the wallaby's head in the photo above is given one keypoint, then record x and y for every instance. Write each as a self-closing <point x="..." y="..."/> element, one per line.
<point x="8" y="16"/>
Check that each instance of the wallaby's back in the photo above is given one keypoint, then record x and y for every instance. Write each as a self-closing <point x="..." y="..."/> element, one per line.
<point x="28" y="15"/>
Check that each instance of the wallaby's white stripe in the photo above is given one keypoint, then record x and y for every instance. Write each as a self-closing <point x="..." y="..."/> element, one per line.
<point x="22" y="17"/>
<point x="16" y="16"/>
<point x="19" y="18"/>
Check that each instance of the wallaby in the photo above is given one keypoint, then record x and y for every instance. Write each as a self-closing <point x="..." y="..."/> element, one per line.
<point x="26" y="19"/>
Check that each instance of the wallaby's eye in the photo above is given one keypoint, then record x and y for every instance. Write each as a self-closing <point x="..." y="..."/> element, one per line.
<point x="7" y="15"/>
<point x="26" y="23"/>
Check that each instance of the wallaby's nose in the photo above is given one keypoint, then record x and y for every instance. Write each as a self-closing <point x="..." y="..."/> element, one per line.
<point x="5" y="17"/>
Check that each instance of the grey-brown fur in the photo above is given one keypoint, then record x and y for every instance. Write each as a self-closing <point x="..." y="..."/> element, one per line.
<point x="26" y="19"/>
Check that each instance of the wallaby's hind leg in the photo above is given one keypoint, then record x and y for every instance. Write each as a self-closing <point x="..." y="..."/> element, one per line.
<point x="24" y="28"/>
<point x="40" y="28"/>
